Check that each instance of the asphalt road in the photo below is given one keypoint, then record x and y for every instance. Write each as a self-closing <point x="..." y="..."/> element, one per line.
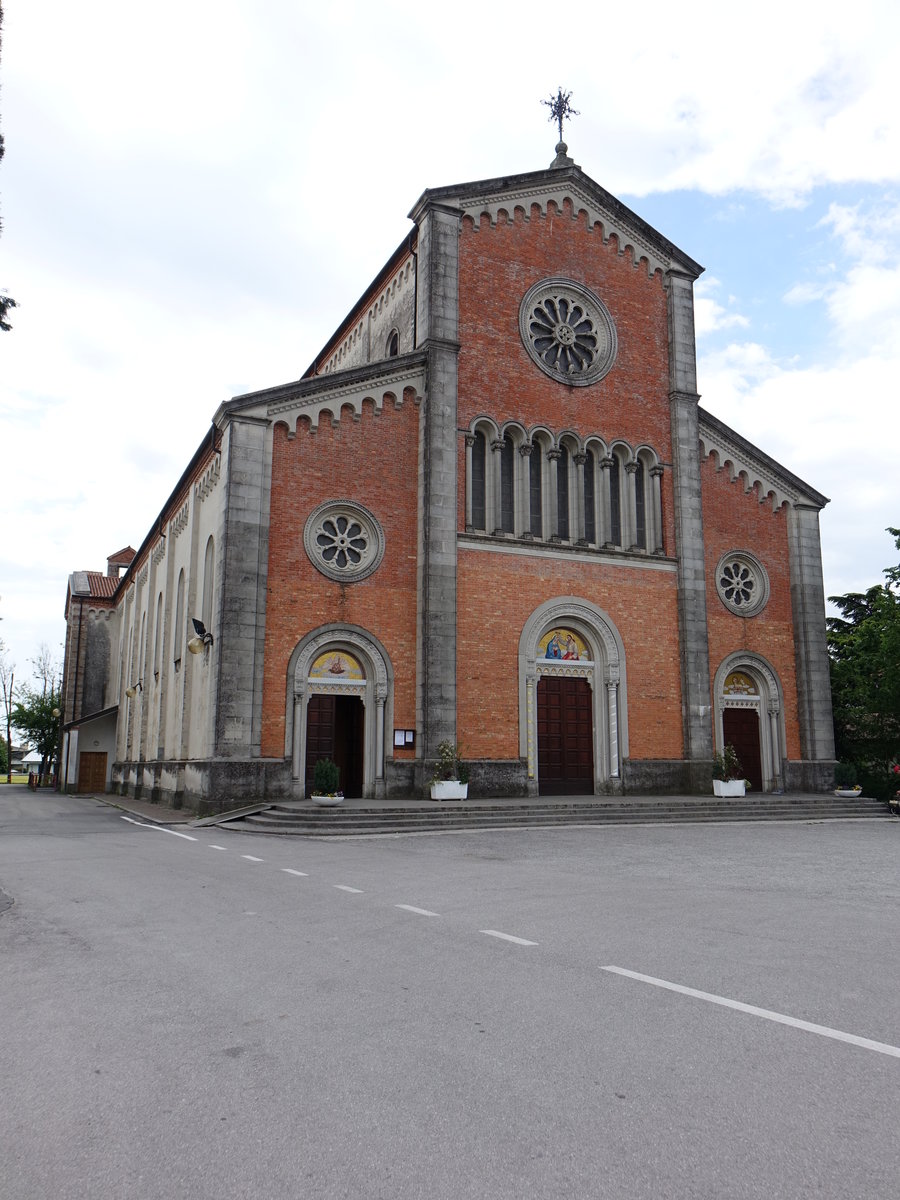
<point x="264" y="1017"/>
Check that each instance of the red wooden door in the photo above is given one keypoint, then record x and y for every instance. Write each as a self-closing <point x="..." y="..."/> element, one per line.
<point x="740" y="727"/>
<point x="565" y="737"/>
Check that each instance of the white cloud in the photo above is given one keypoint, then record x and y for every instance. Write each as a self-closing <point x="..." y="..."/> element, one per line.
<point x="709" y="315"/>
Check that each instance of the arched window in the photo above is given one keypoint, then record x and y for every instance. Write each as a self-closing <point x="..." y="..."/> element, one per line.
<point x="507" y="486"/>
<point x="562" y="494"/>
<point x="615" y="506"/>
<point x="157" y="637"/>
<point x="393" y="344"/>
<point x="640" y="506"/>
<point x="209" y="568"/>
<point x="535" y="490"/>
<point x="479" y="513"/>
<point x="590" y="524"/>
<point x="179" y="621"/>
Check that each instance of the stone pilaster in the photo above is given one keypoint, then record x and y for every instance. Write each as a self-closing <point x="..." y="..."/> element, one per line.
<point x="437" y="326"/>
<point x="246" y="475"/>
<point x="692" y="619"/>
<point x="810" y="646"/>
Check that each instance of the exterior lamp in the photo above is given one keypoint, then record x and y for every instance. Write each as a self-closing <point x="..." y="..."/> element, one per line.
<point x="201" y="639"/>
<point x="132" y="691"/>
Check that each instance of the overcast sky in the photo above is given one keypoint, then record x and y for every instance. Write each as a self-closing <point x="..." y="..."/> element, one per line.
<point x="194" y="193"/>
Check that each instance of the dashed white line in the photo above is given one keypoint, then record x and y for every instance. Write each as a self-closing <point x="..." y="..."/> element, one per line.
<point x="342" y="887"/>
<point x="507" y="937"/>
<point x="765" y="1013"/>
<point x="251" y="858"/>
<point x="212" y="847"/>
<point x="291" y="871"/>
<point x="160" y="829"/>
<point x="423" y="912"/>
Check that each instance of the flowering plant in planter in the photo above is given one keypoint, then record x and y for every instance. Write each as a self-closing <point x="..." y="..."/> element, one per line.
<point x="450" y="780"/>
<point x="845" y="780"/>
<point x="728" y="774"/>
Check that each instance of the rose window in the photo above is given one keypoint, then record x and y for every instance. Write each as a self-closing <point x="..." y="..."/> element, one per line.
<point x="742" y="583"/>
<point x="567" y="331"/>
<point x="344" y="540"/>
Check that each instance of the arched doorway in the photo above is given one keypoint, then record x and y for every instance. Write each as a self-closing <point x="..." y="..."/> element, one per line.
<point x="573" y="728"/>
<point x="339" y="708"/>
<point x="748" y="716"/>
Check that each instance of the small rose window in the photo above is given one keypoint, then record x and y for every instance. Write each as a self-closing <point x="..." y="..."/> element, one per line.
<point x="567" y="331"/>
<point x="742" y="583"/>
<point x="344" y="540"/>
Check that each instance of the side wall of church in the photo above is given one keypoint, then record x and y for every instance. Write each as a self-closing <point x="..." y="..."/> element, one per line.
<point x="373" y="461"/>
<point x="734" y="520"/>
<point x="364" y="337"/>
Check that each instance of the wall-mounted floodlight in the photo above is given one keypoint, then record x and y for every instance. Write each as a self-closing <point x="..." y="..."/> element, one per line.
<point x="201" y="639"/>
<point x="132" y="691"/>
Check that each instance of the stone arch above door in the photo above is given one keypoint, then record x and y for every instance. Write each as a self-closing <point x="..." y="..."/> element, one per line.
<point x="375" y="690"/>
<point x="766" y="697"/>
<point x="605" y="674"/>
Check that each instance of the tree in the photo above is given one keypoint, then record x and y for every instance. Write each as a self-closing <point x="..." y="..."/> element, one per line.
<point x="864" y="648"/>
<point x="7" y="683"/>
<point x="36" y="717"/>
<point x="4" y="756"/>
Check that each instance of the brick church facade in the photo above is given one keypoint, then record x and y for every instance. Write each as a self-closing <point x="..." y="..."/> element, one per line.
<point x="492" y="511"/>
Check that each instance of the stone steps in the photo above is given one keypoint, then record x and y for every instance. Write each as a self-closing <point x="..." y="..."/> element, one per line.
<point x="311" y="821"/>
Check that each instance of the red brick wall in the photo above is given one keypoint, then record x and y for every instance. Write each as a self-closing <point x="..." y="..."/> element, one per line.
<point x="373" y="461"/>
<point x="735" y="520"/>
<point x="498" y="592"/>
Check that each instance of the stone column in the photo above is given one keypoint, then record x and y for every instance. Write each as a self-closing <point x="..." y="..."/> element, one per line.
<point x="688" y="513"/>
<point x="380" y="697"/>
<point x="775" y="747"/>
<point x="298" y="771"/>
<point x="612" y="699"/>
<point x="656" y="519"/>
<point x="553" y="457"/>
<point x="810" y="646"/>
<point x="437" y="332"/>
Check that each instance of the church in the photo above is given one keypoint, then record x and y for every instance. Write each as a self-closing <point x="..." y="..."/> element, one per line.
<point x="491" y="512"/>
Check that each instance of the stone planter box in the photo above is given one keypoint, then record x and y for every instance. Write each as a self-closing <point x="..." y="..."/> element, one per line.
<point x="729" y="787"/>
<point x="449" y="789"/>
<point x="327" y="801"/>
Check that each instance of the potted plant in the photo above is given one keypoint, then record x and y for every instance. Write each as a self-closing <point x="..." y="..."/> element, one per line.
<point x="450" y="780"/>
<point x="845" y="780"/>
<point x="728" y="774"/>
<point x="326" y="778"/>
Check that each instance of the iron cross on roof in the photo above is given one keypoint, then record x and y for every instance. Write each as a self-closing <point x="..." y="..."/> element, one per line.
<point x="560" y="109"/>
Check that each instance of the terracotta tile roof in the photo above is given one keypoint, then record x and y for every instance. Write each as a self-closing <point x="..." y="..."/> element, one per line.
<point x="100" y="584"/>
<point x="122" y="557"/>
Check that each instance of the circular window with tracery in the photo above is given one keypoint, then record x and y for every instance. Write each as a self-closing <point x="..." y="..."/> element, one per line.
<point x="567" y="331"/>
<point x="344" y="540"/>
<point x="742" y="583"/>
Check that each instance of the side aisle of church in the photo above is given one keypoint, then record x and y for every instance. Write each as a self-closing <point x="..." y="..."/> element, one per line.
<point x="491" y="512"/>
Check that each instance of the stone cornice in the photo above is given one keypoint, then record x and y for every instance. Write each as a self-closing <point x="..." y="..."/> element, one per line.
<point x="490" y="196"/>
<point x="755" y="468"/>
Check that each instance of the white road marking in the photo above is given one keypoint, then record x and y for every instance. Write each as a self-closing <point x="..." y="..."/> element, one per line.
<point x="507" y="937"/>
<point x="147" y="825"/>
<point x="290" y="871"/>
<point x="250" y="858"/>
<point x="342" y="887"/>
<point x="423" y="912"/>
<point x="212" y="847"/>
<point x="765" y="1013"/>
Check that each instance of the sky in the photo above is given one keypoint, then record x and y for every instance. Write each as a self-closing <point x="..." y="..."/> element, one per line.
<point x="194" y="194"/>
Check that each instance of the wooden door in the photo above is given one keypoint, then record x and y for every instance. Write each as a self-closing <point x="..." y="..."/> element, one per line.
<point x="335" y="730"/>
<point x="565" y="737"/>
<point x="92" y="771"/>
<point x="740" y="727"/>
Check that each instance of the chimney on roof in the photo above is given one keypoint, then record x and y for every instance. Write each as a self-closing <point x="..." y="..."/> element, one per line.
<point x="121" y="558"/>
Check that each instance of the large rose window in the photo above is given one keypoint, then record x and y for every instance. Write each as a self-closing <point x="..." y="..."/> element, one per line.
<point x="344" y="540"/>
<point x="567" y="331"/>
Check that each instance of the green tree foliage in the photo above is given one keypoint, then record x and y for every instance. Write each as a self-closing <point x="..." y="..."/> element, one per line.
<point x="864" y="647"/>
<point x="36" y="716"/>
<point x="4" y="755"/>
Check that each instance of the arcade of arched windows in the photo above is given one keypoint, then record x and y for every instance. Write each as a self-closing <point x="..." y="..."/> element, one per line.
<point x="562" y="488"/>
